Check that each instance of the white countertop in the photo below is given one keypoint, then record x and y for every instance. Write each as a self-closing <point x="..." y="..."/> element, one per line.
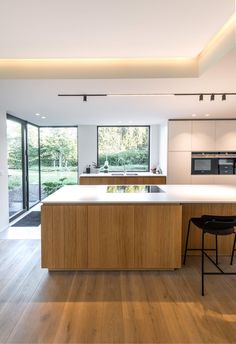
<point x="73" y="194"/>
<point x="121" y="174"/>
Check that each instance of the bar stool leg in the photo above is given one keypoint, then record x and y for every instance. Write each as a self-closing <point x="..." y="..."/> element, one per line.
<point x="203" y="233"/>
<point x="232" y="256"/>
<point x="216" y="250"/>
<point x="186" y="243"/>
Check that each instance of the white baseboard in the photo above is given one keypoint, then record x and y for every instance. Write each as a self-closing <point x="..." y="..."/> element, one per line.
<point x="4" y="228"/>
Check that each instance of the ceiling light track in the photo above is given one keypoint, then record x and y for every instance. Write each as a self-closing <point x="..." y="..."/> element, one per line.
<point x="201" y="96"/>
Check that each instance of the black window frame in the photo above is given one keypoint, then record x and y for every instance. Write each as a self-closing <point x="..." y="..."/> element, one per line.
<point x="25" y="170"/>
<point x="127" y="126"/>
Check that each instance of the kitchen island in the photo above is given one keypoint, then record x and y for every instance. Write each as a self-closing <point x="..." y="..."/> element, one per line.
<point x="127" y="227"/>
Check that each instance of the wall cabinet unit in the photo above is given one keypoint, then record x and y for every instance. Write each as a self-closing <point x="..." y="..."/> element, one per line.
<point x="179" y="136"/>
<point x="203" y="136"/>
<point x="225" y="135"/>
<point x="122" y="180"/>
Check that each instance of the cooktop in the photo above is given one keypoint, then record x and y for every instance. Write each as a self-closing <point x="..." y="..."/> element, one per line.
<point x="134" y="189"/>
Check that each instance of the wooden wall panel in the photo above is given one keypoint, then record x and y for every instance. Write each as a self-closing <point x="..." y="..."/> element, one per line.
<point x="196" y="210"/>
<point x="111" y="236"/>
<point x="158" y="236"/>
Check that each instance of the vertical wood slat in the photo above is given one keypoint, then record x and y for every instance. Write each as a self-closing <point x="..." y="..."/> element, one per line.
<point x="46" y="236"/>
<point x="158" y="236"/>
<point x="111" y="236"/>
<point x="58" y="241"/>
<point x="75" y="236"/>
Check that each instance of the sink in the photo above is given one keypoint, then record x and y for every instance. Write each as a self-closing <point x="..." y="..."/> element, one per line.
<point x="132" y="174"/>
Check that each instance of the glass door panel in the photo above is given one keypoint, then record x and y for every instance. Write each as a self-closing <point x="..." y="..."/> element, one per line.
<point x="15" y="167"/>
<point x="33" y="165"/>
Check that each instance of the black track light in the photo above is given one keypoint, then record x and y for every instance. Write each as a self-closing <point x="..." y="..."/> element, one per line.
<point x="212" y="97"/>
<point x="200" y="97"/>
<point x="85" y="98"/>
<point x="223" y="97"/>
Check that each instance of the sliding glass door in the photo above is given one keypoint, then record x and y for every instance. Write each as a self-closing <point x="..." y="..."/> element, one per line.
<point x="16" y="167"/>
<point x="33" y="165"/>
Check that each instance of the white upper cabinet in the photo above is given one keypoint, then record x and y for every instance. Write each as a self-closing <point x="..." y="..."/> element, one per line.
<point x="203" y="135"/>
<point x="226" y="135"/>
<point x="179" y="134"/>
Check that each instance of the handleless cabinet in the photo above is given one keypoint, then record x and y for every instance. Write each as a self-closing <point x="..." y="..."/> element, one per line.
<point x="179" y="137"/>
<point x="203" y="135"/>
<point x="179" y="168"/>
<point x="226" y="135"/>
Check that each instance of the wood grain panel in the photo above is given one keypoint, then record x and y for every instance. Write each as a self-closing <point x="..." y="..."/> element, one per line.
<point x="111" y="236"/>
<point x="116" y="180"/>
<point x="58" y="239"/>
<point x="158" y="236"/>
<point x="75" y="236"/>
<point x="46" y="236"/>
<point x="196" y="210"/>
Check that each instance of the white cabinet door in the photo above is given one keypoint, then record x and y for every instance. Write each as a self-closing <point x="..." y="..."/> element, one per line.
<point x="179" y="136"/>
<point x="203" y="135"/>
<point x="225" y="135"/>
<point x="203" y="179"/>
<point x="225" y="179"/>
<point x="179" y="168"/>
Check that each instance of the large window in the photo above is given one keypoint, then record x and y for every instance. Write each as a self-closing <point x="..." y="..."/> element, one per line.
<point x="16" y="166"/>
<point x="124" y="148"/>
<point x="33" y="164"/>
<point x="58" y="158"/>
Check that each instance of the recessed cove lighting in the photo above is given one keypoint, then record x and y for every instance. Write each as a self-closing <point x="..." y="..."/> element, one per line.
<point x="37" y="114"/>
<point x="43" y="117"/>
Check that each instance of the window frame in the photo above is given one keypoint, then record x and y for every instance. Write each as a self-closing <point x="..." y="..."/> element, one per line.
<point x="127" y="126"/>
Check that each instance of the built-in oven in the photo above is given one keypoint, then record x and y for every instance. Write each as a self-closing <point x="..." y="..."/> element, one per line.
<point x="226" y="166"/>
<point x="204" y="164"/>
<point x="213" y="162"/>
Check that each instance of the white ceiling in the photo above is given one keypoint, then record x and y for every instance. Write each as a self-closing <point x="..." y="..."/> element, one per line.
<point x="131" y="28"/>
<point x="109" y="28"/>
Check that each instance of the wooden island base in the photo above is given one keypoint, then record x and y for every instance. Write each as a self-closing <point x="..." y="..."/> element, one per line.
<point x="117" y="236"/>
<point x="123" y="236"/>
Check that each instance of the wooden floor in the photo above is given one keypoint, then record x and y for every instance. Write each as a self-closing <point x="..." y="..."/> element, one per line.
<point x="112" y="307"/>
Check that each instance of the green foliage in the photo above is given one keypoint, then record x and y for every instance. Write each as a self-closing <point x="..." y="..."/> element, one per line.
<point x="124" y="146"/>
<point x="14" y="182"/>
<point x="50" y="187"/>
<point x="129" y="157"/>
<point x="58" y="147"/>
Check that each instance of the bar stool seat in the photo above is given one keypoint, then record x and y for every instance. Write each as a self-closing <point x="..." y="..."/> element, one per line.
<point x="215" y="225"/>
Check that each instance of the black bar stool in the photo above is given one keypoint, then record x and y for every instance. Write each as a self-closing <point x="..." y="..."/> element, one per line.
<point x="215" y="225"/>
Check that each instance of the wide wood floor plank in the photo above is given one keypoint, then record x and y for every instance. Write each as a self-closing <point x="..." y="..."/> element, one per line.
<point x="37" y="306"/>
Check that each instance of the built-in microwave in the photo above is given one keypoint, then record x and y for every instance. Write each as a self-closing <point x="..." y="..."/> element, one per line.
<point x="204" y="165"/>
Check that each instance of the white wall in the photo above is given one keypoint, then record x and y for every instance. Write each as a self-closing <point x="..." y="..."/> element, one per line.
<point x="87" y="141"/>
<point x="3" y="173"/>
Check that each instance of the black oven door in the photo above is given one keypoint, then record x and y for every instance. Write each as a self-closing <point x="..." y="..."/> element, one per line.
<point x="204" y="166"/>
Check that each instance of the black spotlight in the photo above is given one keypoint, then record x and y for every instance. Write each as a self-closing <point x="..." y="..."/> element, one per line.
<point x="200" y="97"/>
<point x="85" y="98"/>
<point x="223" y="97"/>
<point x="212" y="97"/>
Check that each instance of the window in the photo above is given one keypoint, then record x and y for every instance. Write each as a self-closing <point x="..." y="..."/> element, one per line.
<point x="58" y="158"/>
<point x="124" y="148"/>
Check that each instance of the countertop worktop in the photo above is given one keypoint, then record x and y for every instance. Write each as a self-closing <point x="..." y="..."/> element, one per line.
<point x="121" y="174"/>
<point x="75" y="194"/>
